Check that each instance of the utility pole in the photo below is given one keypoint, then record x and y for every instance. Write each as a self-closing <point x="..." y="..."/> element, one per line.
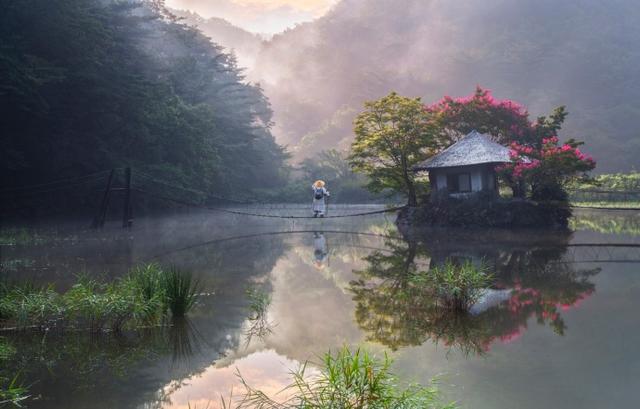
<point x="127" y="216"/>
<point x="98" y="222"/>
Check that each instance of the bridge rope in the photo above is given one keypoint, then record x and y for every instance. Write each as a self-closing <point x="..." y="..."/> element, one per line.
<point x="273" y="216"/>
<point x="54" y="185"/>
<point x="71" y="182"/>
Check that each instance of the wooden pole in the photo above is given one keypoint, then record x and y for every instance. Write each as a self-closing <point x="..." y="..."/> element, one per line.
<point x="126" y="211"/>
<point x="98" y="222"/>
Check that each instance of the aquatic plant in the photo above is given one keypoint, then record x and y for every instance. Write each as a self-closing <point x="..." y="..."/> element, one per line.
<point x="181" y="292"/>
<point x="259" y="301"/>
<point x="347" y="380"/>
<point x="19" y="236"/>
<point x="143" y="297"/>
<point x="27" y="305"/>
<point x="13" y="392"/>
<point x="457" y="285"/>
<point x="259" y="326"/>
<point x="98" y="306"/>
<point x="11" y="389"/>
<point x="146" y="281"/>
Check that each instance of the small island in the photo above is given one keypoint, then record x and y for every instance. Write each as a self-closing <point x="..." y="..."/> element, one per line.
<point x="465" y="191"/>
<point x="473" y="161"/>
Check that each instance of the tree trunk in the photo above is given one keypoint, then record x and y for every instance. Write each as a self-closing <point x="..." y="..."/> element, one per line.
<point x="411" y="189"/>
<point x="518" y="190"/>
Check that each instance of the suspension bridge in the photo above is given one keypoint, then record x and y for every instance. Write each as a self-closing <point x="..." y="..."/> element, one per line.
<point x="149" y="187"/>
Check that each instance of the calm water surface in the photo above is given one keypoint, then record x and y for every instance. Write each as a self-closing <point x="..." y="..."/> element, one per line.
<point x="558" y="327"/>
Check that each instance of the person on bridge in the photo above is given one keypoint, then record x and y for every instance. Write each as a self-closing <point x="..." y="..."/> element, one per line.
<point x="319" y="194"/>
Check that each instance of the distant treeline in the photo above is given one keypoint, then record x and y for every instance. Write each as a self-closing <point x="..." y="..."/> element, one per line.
<point x="614" y="181"/>
<point x="89" y="85"/>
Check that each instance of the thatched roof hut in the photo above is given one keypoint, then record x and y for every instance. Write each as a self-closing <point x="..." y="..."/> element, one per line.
<point x="467" y="166"/>
<point x="473" y="149"/>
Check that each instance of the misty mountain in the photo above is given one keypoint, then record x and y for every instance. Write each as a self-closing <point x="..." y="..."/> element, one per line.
<point x="580" y="53"/>
<point x="244" y="44"/>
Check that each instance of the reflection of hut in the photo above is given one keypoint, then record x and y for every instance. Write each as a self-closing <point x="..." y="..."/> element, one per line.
<point x="467" y="166"/>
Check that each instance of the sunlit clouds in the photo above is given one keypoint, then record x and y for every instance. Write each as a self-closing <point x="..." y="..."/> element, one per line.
<point x="260" y="16"/>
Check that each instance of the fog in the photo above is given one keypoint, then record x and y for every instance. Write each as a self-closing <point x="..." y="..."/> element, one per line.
<point x="582" y="54"/>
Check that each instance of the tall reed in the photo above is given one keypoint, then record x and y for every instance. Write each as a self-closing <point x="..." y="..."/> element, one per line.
<point x="181" y="292"/>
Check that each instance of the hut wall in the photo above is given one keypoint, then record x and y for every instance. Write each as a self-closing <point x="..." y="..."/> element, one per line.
<point x="476" y="180"/>
<point x="481" y="177"/>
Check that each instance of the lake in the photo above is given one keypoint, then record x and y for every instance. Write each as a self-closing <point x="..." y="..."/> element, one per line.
<point x="557" y="328"/>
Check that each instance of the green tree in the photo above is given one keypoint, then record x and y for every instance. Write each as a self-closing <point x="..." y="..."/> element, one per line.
<point x="89" y="85"/>
<point x="393" y="134"/>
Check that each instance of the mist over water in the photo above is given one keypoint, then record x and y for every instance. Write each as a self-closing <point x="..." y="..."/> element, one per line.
<point x="124" y="112"/>
<point x="560" y="297"/>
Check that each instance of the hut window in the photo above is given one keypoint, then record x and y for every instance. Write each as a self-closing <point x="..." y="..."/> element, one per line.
<point x="459" y="182"/>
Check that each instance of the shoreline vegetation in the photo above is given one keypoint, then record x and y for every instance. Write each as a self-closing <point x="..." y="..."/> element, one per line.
<point x="147" y="296"/>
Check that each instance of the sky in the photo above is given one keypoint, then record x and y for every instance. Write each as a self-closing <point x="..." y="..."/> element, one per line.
<point x="258" y="16"/>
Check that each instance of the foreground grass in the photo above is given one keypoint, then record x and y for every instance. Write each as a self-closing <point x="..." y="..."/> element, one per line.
<point x="347" y="380"/>
<point x="143" y="297"/>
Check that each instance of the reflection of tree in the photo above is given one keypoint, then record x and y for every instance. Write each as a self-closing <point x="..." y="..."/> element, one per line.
<point x="386" y="300"/>
<point x="70" y="369"/>
<point x="396" y="310"/>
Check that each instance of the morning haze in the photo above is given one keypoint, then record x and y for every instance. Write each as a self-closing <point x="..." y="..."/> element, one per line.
<point x="319" y="204"/>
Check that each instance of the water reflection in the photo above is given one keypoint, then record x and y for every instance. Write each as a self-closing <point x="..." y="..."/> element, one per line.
<point x="328" y="288"/>
<point x="531" y="279"/>
<point x="320" y="252"/>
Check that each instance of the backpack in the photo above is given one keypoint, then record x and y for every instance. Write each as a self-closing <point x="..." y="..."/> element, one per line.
<point x="318" y="194"/>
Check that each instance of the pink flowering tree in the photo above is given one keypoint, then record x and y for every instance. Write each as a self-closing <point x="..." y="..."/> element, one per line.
<point x="539" y="164"/>
<point x="505" y="120"/>
<point x="546" y="169"/>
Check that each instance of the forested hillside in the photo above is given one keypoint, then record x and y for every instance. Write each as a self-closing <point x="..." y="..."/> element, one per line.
<point x="543" y="53"/>
<point x="244" y="45"/>
<point x="87" y="85"/>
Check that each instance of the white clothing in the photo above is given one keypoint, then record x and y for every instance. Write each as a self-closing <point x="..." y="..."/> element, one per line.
<point x="319" y="205"/>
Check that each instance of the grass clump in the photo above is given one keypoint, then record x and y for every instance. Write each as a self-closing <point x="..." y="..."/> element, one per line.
<point x="258" y="323"/>
<point x="180" y="291"/>
<point x="457" y="285"/>
<point x="143" y="297"/>
<point x="11" y="389"/>
<point x="19" y="236"/>
<point x="348" y="380"/>
<point x="259" y="302"/>
<point x="27" y="305"/>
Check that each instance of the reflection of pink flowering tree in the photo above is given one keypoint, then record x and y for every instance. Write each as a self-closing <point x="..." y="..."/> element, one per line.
<point x="539" y="162"/>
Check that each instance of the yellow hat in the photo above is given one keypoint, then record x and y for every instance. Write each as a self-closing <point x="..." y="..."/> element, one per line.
<point x="318" y="183"/>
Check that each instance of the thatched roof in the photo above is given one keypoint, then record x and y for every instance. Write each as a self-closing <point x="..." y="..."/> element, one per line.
<point x="473" y="149"/>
